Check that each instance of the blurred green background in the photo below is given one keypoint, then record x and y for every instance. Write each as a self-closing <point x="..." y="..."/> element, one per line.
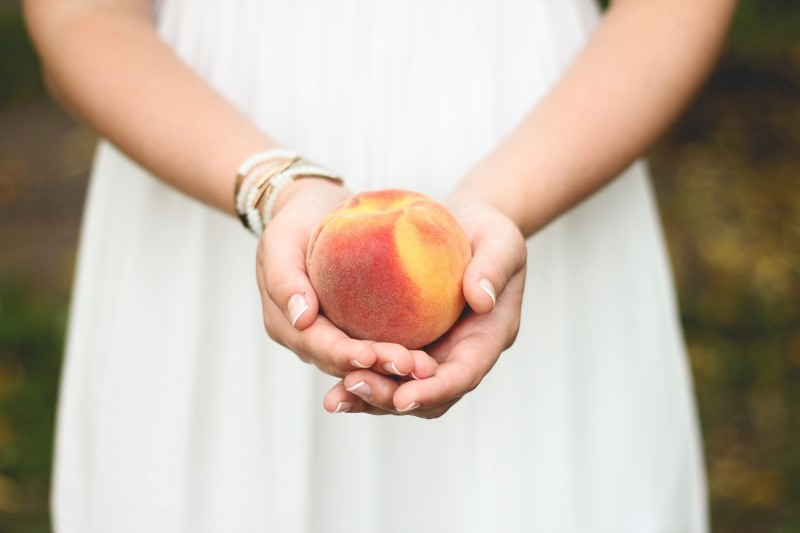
<point x="727" y="182"/>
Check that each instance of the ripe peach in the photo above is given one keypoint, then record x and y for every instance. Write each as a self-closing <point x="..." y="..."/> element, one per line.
<point x="388" y="266"/>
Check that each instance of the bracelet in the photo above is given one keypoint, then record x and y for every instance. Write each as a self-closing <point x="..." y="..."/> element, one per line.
<point x="287" y="177"/>
<point x="263" y="176"/>
<point x="244" y="177"/>
<point x="247" y="178"/>
<point x="261" y="184"/>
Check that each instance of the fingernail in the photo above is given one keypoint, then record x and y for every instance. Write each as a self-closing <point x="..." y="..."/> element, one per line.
<point x="362" y="389"/>
<point x="488" y="288"/>
<point x="390" y="368"/>
<point x="343" y="407"/>
<point x="414" y="375"/>
<point x="297" y="306"/>
<point x="356" y="364"/>
<point x="410" y="407"/>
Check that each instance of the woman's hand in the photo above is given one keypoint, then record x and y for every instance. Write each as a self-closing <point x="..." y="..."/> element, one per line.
<point x="289" y="303"/>
<point x="493" y="285"/>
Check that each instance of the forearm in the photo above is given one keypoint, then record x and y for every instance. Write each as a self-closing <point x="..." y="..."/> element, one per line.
<point x="640" y="69"/>
<point x="108" y="66"/>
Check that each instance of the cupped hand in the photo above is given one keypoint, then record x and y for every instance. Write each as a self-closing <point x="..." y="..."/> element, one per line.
<point x="290" y="305"/>
<point x="493" y="285"/>
<point x="289" y="302"/>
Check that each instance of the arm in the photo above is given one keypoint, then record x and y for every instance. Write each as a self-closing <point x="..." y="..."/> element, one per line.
<point x="640" y="69"/>
<point x="638" y="72"/>
<point x="104" y="61"/>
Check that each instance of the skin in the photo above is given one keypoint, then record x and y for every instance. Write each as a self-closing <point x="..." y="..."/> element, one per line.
<point x="644" y="63"/>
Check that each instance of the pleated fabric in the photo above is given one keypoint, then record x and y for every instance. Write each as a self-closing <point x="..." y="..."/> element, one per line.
<point x="178" y="414"/>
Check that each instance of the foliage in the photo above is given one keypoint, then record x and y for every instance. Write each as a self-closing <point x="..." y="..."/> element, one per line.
<point x="20" y="77"/>
<point x="31" y="334"/>
<point x="766" y="25"/>
<point x="727" y="183"/>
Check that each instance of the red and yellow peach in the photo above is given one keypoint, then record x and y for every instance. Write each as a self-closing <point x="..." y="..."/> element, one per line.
<point x="388" y="266"/>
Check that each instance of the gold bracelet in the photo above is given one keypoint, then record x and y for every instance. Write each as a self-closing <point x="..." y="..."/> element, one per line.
<point x="262" y="183"/>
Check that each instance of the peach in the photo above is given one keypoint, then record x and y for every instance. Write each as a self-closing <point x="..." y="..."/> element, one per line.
<point x="388" y="266"/>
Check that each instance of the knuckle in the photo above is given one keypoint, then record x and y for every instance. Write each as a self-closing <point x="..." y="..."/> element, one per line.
<point x="277" y="282"/>
<point x="271" y="332"/>
<point x="436" y="413"/>
<point x="473" y="383"/>
<point x="513" y="337"/>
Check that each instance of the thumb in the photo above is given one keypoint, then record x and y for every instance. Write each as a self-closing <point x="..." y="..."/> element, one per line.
<point x="282" y="267"/>
<point x="498" y="252"/>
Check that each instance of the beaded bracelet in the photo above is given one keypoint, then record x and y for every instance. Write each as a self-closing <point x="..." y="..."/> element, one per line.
<point x="251" y="174"/>
<point x="256" y="193"/>
<point x="263" y="176"/>
<point x="245" y="174"/>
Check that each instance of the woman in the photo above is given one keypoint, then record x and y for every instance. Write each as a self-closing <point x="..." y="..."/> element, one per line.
<point x="177" y="415"/>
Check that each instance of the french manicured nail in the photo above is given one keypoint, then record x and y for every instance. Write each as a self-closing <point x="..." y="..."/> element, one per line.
<point x="343" y="407"/>
<point x="362" y="389"/>
<point x="488" y="288"/>
<point x="356" y="364"/>
<point x="390" y="368"/>
<point x="297" y="306"/>
<point x="409" y="407"/>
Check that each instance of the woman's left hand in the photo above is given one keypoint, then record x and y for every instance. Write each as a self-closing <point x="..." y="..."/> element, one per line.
<point x="493" y="285"/>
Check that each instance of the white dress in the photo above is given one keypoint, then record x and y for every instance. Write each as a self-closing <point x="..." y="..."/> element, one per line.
<point x="177" y="414"/>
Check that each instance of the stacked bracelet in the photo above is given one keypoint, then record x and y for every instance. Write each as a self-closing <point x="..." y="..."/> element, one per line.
<point x="262" y="177"/>
<point x="246" y="175"/>
<point x="259" y="186"/>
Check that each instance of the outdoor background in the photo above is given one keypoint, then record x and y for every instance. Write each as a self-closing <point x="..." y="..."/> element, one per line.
<point x="728" y="187"/>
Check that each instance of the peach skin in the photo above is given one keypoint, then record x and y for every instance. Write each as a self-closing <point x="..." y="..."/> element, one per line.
<point x="388" y="266"/>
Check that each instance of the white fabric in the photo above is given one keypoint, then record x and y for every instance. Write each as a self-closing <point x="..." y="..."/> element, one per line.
<point x="177" y="414"/>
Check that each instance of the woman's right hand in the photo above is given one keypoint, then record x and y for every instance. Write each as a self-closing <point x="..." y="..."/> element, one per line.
<point x="290" y="305"/>
<point x="289" y="302"/>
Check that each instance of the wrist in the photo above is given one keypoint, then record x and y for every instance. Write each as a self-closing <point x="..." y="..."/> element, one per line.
<point x="262" y="179"/>
<point x="515" y="188"/>
<point x="328" y="193"/>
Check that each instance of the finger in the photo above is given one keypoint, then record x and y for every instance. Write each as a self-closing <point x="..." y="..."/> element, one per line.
<point x="451" y="381"/>
<point x="322" y="343"/>
<point x="393" y="359"/>
<point x="282" y="256"/>
<point x="424" y="365"/>
<point x="467" y="358"/>
<point x="498" y="253"/>
<point x="338" y="400"/>
<point x="375" y="389"/>
<point x="429" y="413"/>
